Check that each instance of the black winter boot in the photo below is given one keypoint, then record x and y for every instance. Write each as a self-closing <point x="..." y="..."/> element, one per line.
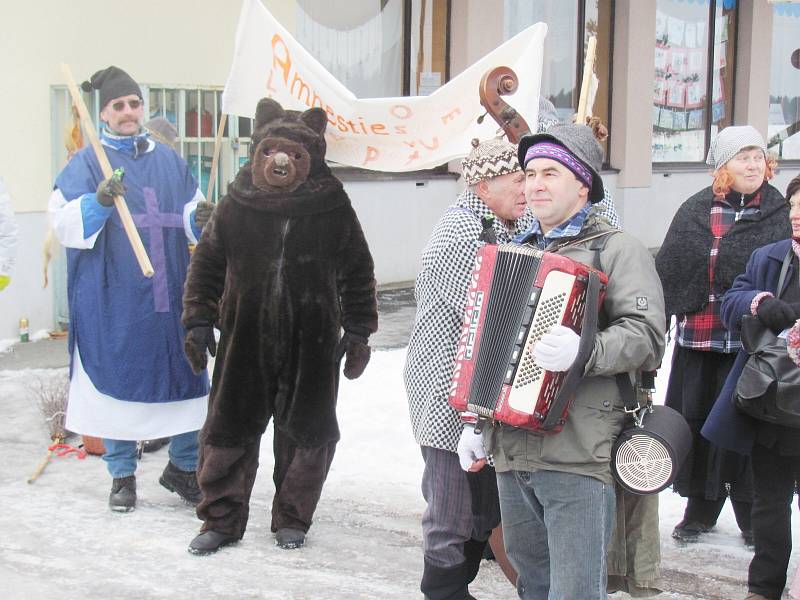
<point x="183" y="483"/>
<point x="445" y="583"/>
<point x="123" y="494"/>
<point x="209" y="542"/>
<point x="290" y="538"/>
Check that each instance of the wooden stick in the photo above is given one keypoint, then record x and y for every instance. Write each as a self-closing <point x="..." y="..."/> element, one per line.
<point x="124" y="214"/>
<point x="588" y="69"/>
<point x="217" y="143"/>
<point x="41" y="466"/>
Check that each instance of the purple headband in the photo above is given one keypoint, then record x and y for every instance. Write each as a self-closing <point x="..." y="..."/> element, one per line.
<point x="560" y="155"/>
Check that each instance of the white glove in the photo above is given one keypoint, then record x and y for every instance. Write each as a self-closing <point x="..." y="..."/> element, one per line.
<point x="556" y="350"/>
<point x="470" y="448"/>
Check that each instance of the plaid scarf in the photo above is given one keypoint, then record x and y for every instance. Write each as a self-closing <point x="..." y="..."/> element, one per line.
<point x="703" y="330"/>
<point x="570" y="228"/>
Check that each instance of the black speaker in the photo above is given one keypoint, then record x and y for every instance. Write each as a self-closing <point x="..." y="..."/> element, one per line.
<point x="646" y="457"/>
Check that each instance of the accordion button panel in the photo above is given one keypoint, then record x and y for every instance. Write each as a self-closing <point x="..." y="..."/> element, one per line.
<point x="550" y="310"/>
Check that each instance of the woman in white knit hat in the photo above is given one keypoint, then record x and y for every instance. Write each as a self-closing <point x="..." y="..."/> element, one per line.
<point x="707" y="245"/>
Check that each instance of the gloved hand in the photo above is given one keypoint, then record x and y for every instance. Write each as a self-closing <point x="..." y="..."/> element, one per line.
<point x="198" y="340"/>
<point x="556" y="350"/>
<point x="470" y="450"/>
<point x="4" y="280"/>
<point x="776" y="314"/>
<point x="358" y="353"/>
<point x="109" y="188"/>
<point x="203" y="213"/>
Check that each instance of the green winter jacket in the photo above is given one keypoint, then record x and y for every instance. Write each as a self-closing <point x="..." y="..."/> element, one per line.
<point x="631" y="338"/>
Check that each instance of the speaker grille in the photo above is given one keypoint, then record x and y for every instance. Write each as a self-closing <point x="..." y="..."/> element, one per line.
<point x="643" y="464"/>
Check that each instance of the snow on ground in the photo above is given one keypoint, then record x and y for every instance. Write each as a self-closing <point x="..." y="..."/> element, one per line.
<point x="58" y="538"/>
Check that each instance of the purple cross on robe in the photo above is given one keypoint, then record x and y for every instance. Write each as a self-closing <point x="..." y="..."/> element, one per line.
<point x="155" y="222"/>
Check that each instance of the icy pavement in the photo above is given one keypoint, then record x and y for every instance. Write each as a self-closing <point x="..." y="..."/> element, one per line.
<point x="58" y="538"/>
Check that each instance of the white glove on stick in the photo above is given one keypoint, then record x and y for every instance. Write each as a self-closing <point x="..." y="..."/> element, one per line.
<point x="470" y="448"/>
<point x="556" y="350"/>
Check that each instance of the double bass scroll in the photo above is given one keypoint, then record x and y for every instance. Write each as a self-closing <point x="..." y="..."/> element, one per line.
<point x="502" y="81"/>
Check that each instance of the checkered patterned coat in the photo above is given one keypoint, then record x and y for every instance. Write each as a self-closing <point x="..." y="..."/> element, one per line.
<point x="441" y="289"/>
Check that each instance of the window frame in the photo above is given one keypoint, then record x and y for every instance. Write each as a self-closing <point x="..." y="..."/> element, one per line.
<point x="60" y="113"/>
<point x="691" y="165"/>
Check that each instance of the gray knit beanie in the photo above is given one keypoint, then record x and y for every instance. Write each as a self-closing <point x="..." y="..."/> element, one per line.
<point x="730" y="141"/>
<point x="580" y="141"/>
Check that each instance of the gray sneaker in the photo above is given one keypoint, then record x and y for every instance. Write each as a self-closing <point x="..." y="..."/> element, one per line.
<point x="289" y="538"/>
<point x="123" y="494"/>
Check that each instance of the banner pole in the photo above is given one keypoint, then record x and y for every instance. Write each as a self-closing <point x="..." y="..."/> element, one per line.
<point x="588" y="69"/>
<point x="212" y="178"/>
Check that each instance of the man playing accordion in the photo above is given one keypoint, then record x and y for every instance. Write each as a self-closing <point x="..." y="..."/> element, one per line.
<point x="556" y="491"/>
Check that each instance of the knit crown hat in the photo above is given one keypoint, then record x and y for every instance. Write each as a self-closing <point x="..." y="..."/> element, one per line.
<point x="112" y="82"/>
<point x="730" y="141"/>
<point x="488" y="159"/>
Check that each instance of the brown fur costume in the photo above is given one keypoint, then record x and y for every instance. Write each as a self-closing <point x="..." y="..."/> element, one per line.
<point x="282" y="266"/>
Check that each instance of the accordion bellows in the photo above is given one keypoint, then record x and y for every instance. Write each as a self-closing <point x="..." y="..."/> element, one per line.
<point x="516" y="295"/>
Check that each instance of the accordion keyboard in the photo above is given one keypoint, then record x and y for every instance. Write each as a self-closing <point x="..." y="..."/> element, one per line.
<point x="550" y="310"/>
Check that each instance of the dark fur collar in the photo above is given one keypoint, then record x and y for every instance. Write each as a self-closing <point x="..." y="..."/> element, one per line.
<point x="319" y="193"/>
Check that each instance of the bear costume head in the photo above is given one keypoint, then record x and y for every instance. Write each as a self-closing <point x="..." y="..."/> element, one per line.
<point x="287" y="172"/>
<point x="287" y="146"/>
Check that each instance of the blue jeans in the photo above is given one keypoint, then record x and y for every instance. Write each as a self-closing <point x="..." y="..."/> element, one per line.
<point x="120" y="455"/>
<point x="556" y="529"/>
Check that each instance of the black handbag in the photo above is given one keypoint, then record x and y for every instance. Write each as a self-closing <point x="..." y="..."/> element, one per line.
<point x="769" y="386"/>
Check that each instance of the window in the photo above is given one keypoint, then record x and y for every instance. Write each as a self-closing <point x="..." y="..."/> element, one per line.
<point x="378" y="49"/>
<point x="193" y="112"/>
<point x="570" y="24"/>
<point x="693" y="95"/>
<point x="784" y="83"/>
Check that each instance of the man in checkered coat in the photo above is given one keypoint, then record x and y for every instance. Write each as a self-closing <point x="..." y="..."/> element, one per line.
<point x="462" y="507"/>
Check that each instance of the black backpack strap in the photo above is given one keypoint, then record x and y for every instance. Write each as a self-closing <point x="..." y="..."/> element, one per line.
<point x="626" y="390"/>
<point x="488" y="234"/>
<point x="787" y="260"/>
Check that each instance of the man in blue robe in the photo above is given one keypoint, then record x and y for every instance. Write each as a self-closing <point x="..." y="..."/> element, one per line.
<point x="129" y="378"/>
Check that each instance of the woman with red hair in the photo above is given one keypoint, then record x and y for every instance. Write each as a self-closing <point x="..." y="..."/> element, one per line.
<point x="707" y="245"/>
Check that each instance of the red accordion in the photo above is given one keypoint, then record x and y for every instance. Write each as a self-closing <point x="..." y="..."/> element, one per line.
<point x="516" y="294"/>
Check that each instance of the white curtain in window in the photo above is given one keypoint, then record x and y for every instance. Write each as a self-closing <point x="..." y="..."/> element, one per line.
<point x="363" y="49"/>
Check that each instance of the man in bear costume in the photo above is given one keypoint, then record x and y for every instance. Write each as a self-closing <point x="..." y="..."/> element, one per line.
<point x="281" y="268"/>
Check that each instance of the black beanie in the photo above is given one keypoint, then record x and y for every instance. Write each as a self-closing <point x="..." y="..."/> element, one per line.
<point x="112" y="82"/>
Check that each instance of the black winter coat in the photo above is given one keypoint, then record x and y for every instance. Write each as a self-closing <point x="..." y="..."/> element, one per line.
<point x="682" y="261"/>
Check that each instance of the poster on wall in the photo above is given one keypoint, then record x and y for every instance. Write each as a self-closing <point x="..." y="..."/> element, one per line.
<point x="691" y="35"/>
<point x="660" y="91"/>
<point x="661" y="26"/>
<point x="677" y="61"/>
<point x="717" y="88"/>
<point x="694" y="63"/>
<point x="717" y="112"/>
<point x="694" y="94"/>
<point x="675" y="28"/>
<point x="661" y="59"/>
<point x="676" y="94"/>
<point x="720" y="61"/>
<point x="696" y="119"/>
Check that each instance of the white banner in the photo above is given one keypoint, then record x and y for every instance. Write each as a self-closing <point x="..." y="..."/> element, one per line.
<point x="382" y="134"/>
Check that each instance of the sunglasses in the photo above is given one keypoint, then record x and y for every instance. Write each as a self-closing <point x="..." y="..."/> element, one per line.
<point x="133" y="104"/>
